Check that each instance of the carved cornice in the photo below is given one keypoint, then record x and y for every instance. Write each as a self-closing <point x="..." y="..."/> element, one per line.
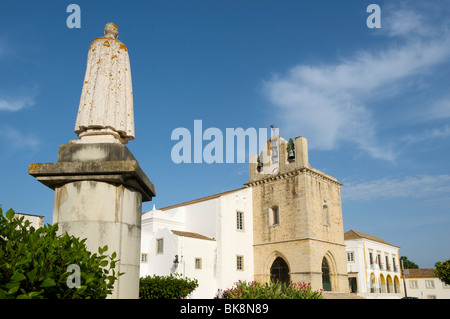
<point x="303" y="170"/>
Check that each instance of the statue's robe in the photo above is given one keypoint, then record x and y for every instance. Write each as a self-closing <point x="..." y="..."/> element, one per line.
<point x="106" y="104"/>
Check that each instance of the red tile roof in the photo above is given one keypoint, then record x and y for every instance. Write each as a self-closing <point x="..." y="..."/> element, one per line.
<point x="353" y="234"/>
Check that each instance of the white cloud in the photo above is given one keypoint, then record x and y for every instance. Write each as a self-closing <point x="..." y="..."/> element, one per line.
<point x="430" y="134"/>
<point x="330" y="103"/>
<point x="439" y="109"/>
<point x="19" y="97"/>
<point x="15" y="104"/>
<point x="407" y="187"/>
<point x="17" y="139"/>
<point x="406" y="23"/>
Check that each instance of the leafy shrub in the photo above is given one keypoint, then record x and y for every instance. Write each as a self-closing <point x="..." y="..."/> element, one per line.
<point x="166" y="287"/>
<point x="272" y="290"/>
<point x="33" y="263"/>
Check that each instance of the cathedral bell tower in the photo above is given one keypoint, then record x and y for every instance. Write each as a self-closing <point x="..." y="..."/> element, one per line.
<point x="298" y="230"/>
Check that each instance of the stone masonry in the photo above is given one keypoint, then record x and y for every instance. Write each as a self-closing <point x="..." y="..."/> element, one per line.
<point x="310" y="226"/>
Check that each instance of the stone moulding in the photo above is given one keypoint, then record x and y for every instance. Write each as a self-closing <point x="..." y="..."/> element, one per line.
<point x="102" y="162"/>
<point x="310" y="171"/>
<point x="127" y="173"/>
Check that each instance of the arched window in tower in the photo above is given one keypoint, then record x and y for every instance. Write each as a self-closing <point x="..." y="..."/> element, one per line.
<point x="280" y="271"/>
<point x="326" y="280"/>
<point x="325" y="215"/>
<point x="274" y="215"/>
<point x="274" y="149"/>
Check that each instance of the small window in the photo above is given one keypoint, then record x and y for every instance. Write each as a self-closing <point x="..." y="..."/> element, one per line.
<point x="350" y="256"/>
<point x="160" y="246"/>
<point x="198" y="263"/>
<point x="429" y="284"/>
<point x="239" y="262"/>
<point x="370" y="258"/>
<point x="325" y="215"/>
<point x="274" y="215"/>
<point x="144" y="258"/>
<point x="413" y="284"/>
<point x="239" y="220"/>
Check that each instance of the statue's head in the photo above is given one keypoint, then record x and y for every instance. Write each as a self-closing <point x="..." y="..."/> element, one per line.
<point x="111" y="30"/>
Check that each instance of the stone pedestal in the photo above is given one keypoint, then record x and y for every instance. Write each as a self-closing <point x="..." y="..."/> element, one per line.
<point x="99" y="190"/>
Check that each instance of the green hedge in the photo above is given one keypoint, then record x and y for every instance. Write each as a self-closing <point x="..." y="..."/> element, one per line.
<point x="166" y="287"/>
<point x="34" y="263"/>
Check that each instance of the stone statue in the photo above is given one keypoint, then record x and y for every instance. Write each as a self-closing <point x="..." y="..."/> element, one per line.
<point x="105" y="114"/>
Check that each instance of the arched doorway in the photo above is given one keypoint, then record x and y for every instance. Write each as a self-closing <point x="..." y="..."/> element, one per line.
<point x="390" y="286"/>
<point x="372" y="283"/>
<point x="383" y="285"/>
<point x="280" y="271"/>
<point x="396" y="285"/>
<point x="326" y="280"/>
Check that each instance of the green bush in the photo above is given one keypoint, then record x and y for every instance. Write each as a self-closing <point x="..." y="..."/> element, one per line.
<point x="34" y="263"/>
<point x="166" y="287"/>
<point x="443" y="271"/>
<point x="272" y="290"/>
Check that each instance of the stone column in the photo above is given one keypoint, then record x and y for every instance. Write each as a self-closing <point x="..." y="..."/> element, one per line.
<point x="99" y="190"/>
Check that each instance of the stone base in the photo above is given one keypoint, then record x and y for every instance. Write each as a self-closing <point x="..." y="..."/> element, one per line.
<point x="99" y="189"/>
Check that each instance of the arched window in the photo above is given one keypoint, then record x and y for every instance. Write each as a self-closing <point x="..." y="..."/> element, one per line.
<point x="390" y="284"/>
<point x="280" y="271"/>
<point x="373" y="285"/>
<point x="325" y="215"/>
<point x="383" y="284"/>
<point x="274" y="149"/>
<point x="326" y="280"/>
<point x="396" y="285"/>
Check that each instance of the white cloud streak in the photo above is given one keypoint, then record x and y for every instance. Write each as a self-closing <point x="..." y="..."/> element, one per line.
<point x="15" y="104"/>
<point x="330" y="103"/>
<point x="17" y="139"/>
<point x="431" y="134"/>
<point x="390" y="188"/>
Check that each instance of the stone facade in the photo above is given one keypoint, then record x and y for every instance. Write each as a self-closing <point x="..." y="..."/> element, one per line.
<point x="297" y="216"/>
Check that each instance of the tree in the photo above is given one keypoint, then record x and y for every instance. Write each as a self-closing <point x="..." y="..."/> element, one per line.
<point x="443" y="271"/>
<point x="407" y="264"/>
<point x="38" y="263"/>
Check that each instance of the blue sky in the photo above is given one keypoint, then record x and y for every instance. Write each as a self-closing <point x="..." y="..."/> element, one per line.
<point x="374" y="104"/>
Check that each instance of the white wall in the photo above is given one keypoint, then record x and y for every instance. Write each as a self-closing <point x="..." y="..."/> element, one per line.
<point x="213" y="218"/>
<point x="157" y="224"/>
<point x="440" y="291"/>
<point x="188" y="250"/>
<point x="233" y="242"/>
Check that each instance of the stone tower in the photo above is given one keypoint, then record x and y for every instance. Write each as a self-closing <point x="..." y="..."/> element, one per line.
<point x="298" y="230"/>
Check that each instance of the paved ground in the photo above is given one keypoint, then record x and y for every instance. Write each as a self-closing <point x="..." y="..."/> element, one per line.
<point x="338" y="295"/>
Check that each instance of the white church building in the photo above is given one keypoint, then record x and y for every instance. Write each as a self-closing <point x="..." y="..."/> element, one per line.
<point x="209" y="239"/>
